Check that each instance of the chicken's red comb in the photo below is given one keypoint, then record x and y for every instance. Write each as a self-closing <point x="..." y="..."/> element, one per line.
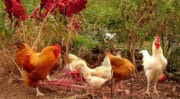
<point x="158" y="38"/>
<point x="58" y="47"/>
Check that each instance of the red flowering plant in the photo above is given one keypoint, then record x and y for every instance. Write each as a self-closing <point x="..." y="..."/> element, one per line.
<point x="16" y="9"/>
<point x="65" y="7"/>
<point x="71" y="6"/>
<point x="76" y="25"/>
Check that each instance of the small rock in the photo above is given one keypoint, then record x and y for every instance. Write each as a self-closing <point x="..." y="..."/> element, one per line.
<point x="9" y="81"/>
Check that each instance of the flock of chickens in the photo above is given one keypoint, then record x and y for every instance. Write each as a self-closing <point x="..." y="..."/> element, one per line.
<point x="36" y="66"/>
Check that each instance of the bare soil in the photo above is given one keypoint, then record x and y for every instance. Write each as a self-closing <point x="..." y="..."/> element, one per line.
<point x="133" y="88"/>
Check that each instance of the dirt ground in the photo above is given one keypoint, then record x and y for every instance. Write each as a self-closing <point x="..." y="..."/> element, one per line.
<point x="12" y="88"/>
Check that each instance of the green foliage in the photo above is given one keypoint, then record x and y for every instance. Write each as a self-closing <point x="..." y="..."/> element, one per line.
<point x="84" y="41"/>
<point x="2" y="15"/>
<point x="103" y="12"/>
<point x="30" y="5"/>
<point x="136" y="22"/>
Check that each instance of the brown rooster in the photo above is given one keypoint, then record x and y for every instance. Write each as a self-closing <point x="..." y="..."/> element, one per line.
<point x="36" y="66"/>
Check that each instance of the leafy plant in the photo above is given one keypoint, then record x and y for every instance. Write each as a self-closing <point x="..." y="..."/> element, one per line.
<point x="135" y="22"/>
<point x="84" y="41"/>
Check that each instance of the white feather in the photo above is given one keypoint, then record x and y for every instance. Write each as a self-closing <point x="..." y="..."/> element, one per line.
<point x="95" y="77"/>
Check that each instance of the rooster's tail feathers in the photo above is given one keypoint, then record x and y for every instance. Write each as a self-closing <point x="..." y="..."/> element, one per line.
<point x="144" y="53"/>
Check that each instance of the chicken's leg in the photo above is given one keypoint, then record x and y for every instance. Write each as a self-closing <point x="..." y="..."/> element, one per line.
<point x="147" y="90"/>
<point x="38" y="92"/>
<point x="149" y="78"/>
<point x="155" y="88"/>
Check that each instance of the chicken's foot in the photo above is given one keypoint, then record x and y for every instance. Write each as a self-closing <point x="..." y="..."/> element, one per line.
<point x="38" y="92"/>
<point x="155" y="89"/>
<point x="148" y="85"/>
<point x="147" y="92"/>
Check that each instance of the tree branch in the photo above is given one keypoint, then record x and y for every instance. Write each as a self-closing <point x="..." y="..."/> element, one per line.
<point x="12" y="60"/>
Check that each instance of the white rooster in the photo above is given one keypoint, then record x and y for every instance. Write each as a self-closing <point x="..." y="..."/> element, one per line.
<point x="154" y="65"/>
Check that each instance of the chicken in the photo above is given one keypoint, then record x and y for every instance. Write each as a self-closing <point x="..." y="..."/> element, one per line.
<point x="154" y="65"/>
<point x="121" y="67"/>
<point x="36" y="66"/>
<point x="95" y="77"/>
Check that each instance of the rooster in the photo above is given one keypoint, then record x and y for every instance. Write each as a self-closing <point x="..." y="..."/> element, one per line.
<point x="36" y="66"/>
<point x="121" y="67"/>
<point x="154" y="65"/>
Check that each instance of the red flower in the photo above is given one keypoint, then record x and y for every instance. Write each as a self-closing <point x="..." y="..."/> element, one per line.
<point x="35" y="13"/>
<point x="72" y="6"/>
<point x="66" y="7"/>
<point x="76" y="25"/>
<point x="16" y="9"/>
<point x="47" y="5"/>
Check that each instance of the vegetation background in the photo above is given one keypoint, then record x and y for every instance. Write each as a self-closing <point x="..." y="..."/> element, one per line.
<point x="135" y="22"/>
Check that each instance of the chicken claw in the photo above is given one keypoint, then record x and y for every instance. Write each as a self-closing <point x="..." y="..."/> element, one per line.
<point x="155" y="91"/>
<point x="147" y="93"/>
<point x="38" y="92"/>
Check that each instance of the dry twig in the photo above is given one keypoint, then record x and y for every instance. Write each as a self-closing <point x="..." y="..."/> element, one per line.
<point x="12" y="60"/>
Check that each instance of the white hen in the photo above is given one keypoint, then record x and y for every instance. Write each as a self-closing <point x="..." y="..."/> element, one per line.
<point x="154" y="65"/>
<point x="95" y="77"/>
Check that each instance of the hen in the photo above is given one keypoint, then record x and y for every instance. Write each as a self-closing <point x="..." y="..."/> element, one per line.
<point x="35" y="66"/>
<point x="154" y="65"/>
<point x="121" y="67"/>
<point x="95" y="77"/>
